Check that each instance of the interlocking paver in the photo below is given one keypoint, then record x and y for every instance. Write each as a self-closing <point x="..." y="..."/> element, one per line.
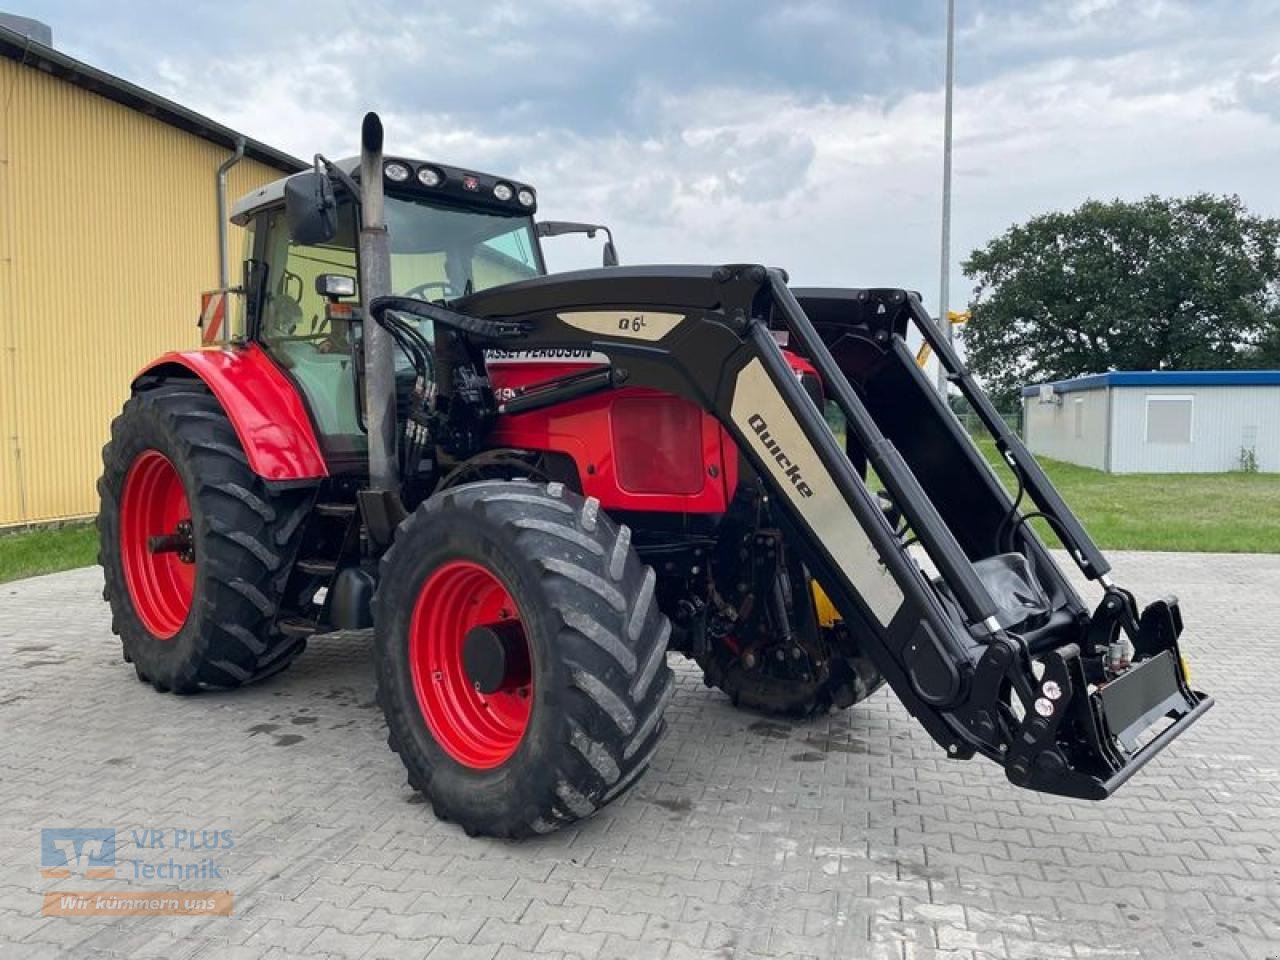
<point x="848" y="836"/>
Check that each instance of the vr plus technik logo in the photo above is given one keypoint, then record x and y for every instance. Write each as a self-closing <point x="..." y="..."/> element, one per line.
<point x="88" y="852"/>
<point x="167" y="856"/>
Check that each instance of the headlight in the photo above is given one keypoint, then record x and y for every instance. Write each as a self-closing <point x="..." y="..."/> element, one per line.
<point x="525" y="197"/>
<point x="396" y="172"/>
<point x="503" y="191"/>
<point x="429" y="177"/>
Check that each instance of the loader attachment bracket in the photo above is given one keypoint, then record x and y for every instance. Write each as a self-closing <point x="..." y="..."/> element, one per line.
<point x="1109" y="723"/>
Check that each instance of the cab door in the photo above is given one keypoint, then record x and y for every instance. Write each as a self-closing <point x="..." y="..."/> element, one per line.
<point x="288" y="318"/>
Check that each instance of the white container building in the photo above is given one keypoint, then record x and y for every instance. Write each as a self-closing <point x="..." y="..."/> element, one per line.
<point x="1183" y="421"/>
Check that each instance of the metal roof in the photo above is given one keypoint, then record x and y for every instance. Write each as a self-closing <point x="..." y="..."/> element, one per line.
<point x="1163" y="378"/>
<point x="37" y="56"/>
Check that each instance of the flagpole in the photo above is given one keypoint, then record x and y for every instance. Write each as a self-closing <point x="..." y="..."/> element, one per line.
<point x="944" y="297"/>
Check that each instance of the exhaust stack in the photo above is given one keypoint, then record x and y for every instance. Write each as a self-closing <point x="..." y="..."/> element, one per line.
<point x="375" y="277"/>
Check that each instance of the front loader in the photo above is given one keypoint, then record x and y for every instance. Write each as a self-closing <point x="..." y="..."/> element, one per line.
<point x="534" y="487"/>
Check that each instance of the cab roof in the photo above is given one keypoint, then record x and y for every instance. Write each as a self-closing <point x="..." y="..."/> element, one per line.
<point x="455" y="185"/>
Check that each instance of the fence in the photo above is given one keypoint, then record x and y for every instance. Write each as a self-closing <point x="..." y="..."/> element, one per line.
<point x="974" y="426"/>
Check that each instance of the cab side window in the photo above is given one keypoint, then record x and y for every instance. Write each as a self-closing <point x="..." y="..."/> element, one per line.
<point x="293" y="327"/>
<point x="291" y="307"/>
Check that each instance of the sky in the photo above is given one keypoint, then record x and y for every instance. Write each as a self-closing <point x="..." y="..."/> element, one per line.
<point x="805" y="134"/>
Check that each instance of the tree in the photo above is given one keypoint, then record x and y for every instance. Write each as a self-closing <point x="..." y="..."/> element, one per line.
<point x="1156" y="284"/>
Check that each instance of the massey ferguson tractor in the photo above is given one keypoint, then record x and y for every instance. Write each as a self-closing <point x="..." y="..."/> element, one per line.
<point x="533" y="488"/>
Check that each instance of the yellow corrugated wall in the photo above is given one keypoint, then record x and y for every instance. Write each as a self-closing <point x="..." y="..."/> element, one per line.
<point x="108" y="234"/>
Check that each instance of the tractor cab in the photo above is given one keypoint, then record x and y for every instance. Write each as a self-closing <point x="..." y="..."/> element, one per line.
<point x="452" y="233"/>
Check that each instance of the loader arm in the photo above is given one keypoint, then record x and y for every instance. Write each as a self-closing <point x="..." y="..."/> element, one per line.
<point x="1041" y="702"/>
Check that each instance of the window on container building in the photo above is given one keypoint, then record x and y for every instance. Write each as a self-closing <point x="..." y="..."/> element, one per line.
<point x="1169" y="418"/>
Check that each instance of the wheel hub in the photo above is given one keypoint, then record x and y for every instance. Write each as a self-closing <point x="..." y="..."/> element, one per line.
<point x="495" y="657"/>
<point x="181" y="542"/>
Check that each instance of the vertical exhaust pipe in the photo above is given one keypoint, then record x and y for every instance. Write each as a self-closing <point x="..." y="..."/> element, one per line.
<point x="375" y="281"/>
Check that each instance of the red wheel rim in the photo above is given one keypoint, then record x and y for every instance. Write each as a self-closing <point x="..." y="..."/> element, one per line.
<point x="160" y="583"/>
<point x="479" y="730"/>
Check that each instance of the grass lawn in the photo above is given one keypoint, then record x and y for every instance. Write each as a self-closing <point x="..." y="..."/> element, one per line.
<point x="1196" y="512"/>
<point x="30" y="552"/>
<point x="1199" y="512"/>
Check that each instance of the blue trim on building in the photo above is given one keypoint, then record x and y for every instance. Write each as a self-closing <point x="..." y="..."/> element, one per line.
<point x="1164" y="378"/>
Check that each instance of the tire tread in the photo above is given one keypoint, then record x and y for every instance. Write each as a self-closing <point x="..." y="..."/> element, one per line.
<point x="249" y="533"/>
<point x="612" y="636"/>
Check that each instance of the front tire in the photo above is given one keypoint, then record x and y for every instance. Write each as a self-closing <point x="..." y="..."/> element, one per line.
<point x="199" y="613"/>
<point x="573" y="715"/>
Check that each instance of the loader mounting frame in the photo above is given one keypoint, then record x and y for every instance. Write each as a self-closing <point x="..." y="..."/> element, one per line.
<point x="708" y="334"/>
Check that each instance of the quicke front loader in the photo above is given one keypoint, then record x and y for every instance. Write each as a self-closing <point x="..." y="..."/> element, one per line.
<point x="533" y="487"/>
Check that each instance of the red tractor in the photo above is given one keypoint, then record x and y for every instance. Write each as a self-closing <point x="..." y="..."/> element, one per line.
<point x="533" y="487"/>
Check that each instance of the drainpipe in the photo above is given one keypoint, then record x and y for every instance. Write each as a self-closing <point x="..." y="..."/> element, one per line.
<point x="223" y="269"/>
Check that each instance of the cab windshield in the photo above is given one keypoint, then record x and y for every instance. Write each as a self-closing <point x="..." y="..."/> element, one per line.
<point x="437" y="253"/>
<point x="441" y="252"/>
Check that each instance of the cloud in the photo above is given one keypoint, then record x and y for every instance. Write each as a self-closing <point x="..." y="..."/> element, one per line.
<point x="804" y="134"/>
<point x="1258" y="87"/>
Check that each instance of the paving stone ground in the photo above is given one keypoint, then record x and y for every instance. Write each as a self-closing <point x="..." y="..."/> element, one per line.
<point x="849" y="836"/>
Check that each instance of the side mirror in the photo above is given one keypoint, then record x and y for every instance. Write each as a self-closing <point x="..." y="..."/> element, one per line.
<point x="558" y="228"/>
<point x="334" y="286"/>
<point x="310" y="209"/>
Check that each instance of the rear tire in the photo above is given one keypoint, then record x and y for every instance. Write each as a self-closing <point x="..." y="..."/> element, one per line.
<point x="204" y="623"/>
<point x="594" y="664"/>
<point x="848" y="680"/>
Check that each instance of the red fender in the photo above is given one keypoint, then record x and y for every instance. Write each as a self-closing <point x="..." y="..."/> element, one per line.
<point x="263" y="405"/>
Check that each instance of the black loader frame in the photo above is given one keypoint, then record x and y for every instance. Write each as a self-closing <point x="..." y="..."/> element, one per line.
<point x="1057" y="705"/>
